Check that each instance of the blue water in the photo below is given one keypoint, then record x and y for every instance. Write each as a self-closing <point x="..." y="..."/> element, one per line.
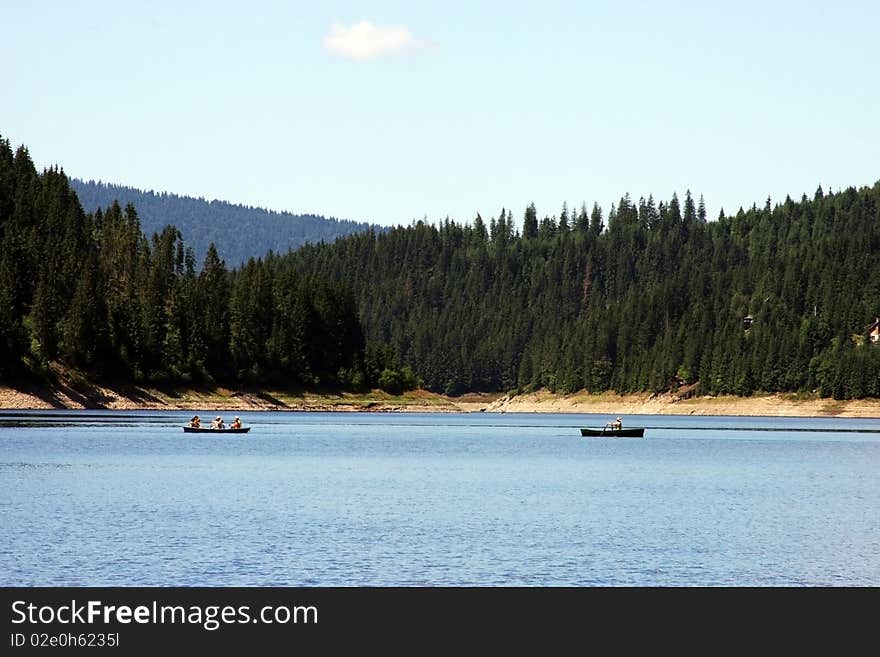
<point x="344" y="499"/>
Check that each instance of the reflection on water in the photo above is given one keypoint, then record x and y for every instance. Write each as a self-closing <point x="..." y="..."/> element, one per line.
<point x="126" y="498"/>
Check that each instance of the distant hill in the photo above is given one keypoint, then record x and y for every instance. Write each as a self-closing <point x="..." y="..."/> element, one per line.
<point x="239" y="232"/>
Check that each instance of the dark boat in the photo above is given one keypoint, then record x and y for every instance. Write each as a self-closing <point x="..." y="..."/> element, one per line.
<point x="614" y="433"/>
<point x="210" y="430"/>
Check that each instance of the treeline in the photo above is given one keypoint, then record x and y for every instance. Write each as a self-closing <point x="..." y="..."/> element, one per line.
<point x="239" y="232"/>
<point x="650" y="297"/>
<point x="773" y="299"/>
<point x="92" y="292"/>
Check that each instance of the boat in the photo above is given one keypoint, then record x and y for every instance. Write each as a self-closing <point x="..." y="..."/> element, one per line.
<point x="210" y="430"/>
<point x="635" y="432"/>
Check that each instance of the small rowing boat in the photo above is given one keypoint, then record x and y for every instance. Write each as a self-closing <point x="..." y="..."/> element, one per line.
<point x="637" y="432"/>
<point x="209" y="430"/>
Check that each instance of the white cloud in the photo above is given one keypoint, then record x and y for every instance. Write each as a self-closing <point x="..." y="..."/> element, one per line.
<point x="365" y="40"/>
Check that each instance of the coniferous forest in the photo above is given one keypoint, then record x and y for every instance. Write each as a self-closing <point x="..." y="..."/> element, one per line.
<point x="92" y="292"/>
<point x="650" y="297"/>
<point x="238" y="232"/>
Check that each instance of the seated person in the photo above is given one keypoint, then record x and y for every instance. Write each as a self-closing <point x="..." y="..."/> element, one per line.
<point x="218" y="423"/>
<point x="196" y="422"/>
<point x="236" y="423"/>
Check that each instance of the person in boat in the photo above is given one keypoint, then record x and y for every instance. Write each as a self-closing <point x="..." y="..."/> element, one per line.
<point x="218" y="423"/>
<point x="616" y="425"/>
<point x="236" y="423"/>
<point x="196" y="422"/>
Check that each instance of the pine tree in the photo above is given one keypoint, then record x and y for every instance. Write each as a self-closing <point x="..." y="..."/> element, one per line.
<point x="530" y="222"/>
<point x="213" y="302"/>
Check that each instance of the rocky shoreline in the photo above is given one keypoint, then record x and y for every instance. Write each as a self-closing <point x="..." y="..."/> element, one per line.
<point x="82" y="395"/>
<point x="768" y="405"/>
<point x="74" y="395"/>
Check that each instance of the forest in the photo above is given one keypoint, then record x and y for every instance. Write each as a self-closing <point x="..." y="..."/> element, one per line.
<point x="238" y="232"/>
<point x="91" y="292"/>
<point x="652" y="296"/>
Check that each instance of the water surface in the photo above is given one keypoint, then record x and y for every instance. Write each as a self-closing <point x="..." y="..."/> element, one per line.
<point x="328" y="499"/>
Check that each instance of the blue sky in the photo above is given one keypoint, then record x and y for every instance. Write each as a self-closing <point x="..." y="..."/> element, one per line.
<point x="393" y="111"/>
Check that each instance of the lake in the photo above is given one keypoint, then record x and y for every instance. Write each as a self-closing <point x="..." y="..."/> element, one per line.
<point x="92" y="498"/>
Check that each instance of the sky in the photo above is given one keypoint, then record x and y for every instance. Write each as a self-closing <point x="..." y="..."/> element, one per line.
<point x="390" y="112"/>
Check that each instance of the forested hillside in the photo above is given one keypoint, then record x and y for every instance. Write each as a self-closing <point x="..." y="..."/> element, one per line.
<point x="92" y="292"/>
<point x="776" y="298"/>
<point x="238" y="232"/>
<point x="650" y="297"/>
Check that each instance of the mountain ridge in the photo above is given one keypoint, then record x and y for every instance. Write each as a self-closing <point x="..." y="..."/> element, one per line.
<point x="203" y="221"/>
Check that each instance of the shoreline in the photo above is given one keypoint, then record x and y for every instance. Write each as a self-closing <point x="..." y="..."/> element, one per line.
<point x="72" y="395"/>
